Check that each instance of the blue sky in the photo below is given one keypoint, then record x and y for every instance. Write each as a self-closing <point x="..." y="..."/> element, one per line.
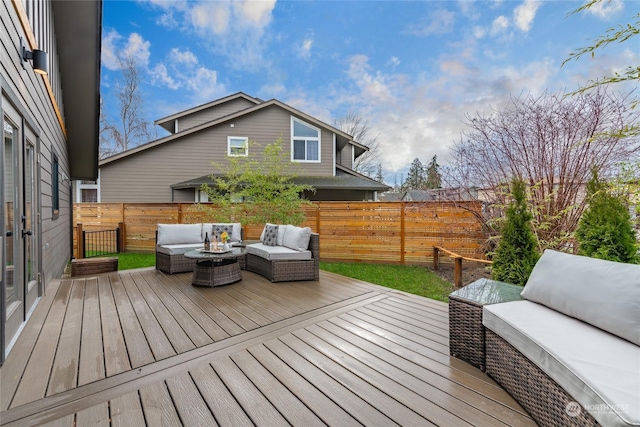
<point x="412" y="69"/>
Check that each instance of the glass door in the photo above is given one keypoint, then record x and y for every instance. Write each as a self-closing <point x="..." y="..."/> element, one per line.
<point x="20" y="223"/>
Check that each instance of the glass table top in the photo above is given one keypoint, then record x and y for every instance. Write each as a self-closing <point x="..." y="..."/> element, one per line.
<point x="487" y="291"/>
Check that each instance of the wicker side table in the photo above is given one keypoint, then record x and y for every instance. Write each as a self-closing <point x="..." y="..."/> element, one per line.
<point x="216" y="269"/>
<point x="466" y="333"/>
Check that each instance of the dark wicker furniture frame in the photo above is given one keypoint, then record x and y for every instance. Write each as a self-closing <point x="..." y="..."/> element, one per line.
<point x="213" y="273"/>
<point x="466" y="332"/>
<point x="540" y="395"/>
<point x="173" y="264"/>
<point x="288" y="271"/>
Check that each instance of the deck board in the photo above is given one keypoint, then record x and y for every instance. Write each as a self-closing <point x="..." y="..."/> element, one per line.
<point x="91" y="351"/>
<point x="146" y="348"/>
<point x="35" y="378"/>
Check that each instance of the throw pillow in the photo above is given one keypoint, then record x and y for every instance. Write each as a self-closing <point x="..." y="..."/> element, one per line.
<point x="605" y="294"/>
<point x="296" y="238"/>
<point x="270" y="235"/>
<point x="218" y="229"/>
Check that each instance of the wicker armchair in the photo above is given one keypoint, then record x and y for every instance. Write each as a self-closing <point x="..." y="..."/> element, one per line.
<point x="288" y="271"/>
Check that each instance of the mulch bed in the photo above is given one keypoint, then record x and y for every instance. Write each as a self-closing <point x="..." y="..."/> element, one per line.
<point x="470" y="272"/>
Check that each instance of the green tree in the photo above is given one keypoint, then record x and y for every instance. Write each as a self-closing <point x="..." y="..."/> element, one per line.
<point x="517" y="250"/>
<point x="266" y="188"/>
<point x="416" y="176"/>
<point x="433" y="177"/>
<point x="605" y="229"/>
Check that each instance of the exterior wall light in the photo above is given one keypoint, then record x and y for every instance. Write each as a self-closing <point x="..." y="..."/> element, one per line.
<point x="39" y="58"/>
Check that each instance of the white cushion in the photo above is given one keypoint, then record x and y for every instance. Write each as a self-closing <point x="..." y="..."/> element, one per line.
<point x="175" y="234"/>
<point x="236" y="233"/>
<point x="598" y="369"/>
<point x="296" y="237"/>
<point x="178" y="249"/>
<point x="603" y="293"/>
<point x="277" y="253"/>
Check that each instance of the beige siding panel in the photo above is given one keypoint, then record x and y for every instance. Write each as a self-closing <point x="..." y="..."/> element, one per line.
<point x="33" y="99"/>
<point x="147" y="176"/>
<point x="346" y="156"/>
<point x="213" y="113"/>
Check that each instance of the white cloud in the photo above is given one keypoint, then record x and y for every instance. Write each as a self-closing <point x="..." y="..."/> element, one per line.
<point x="109" y="54"/>
<point x="160" y="77"/>
<point x="115" y="47"/>
<point x="524" y="14"/>
<point x="138" y="48"/>
<point x="372" y="86"/>
<point x="185" y="57"/>
<point x="605" y="9"/>
<point x="395" y="61"/>
<point x="438" y="22"/>
<point x="304" y="48"/>
<point x="233" y="29"/>
<point x="181" y="70"/>
<point x="257" y="12"/>
<point x="499" y="25"/>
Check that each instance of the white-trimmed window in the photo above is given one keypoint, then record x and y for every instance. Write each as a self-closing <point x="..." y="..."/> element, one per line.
<point x="305" y="142"/>
<point x="88" y="191"/>
<point x="201" y="196"/>
<point x="238" y="145"/>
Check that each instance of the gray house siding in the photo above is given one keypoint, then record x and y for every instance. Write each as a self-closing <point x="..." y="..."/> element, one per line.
<point x="147" y="176"/>
<point x="29" y="95"/>
<point x="213" y="113"/>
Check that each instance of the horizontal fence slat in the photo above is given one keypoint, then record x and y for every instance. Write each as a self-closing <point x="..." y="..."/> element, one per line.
<point x="382" y="232"/>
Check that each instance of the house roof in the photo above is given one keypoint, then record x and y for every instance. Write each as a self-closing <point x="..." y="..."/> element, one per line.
<point x="78" y="26"/>
<point x="342" y="181"/>
<point x="167" y="122"/>
<point x="342" y="137"/>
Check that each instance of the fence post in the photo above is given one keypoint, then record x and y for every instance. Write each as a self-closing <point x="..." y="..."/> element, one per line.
<point x="457" y="272"/>
<point x="436" y="254"/>
<point x="80" y="238"/>
<point x="121" y="237"/>
<point x="402" y="234"/>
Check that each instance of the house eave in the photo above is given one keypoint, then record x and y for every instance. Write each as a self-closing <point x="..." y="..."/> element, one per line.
<point x="78" y="26"/>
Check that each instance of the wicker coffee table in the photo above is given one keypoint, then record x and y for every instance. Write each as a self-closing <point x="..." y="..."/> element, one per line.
<point x="466" y="333"/>
<point x="216" y="269"/>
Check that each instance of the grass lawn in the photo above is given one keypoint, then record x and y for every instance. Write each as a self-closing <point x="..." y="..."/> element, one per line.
<point x="130" y="260"/>
<point x="412" y="279"/>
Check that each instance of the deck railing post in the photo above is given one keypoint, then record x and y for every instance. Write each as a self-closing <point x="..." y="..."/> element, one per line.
<point x="436" y="254"/>
<point x="80" y="238"/>
<point x="457" y="272"/>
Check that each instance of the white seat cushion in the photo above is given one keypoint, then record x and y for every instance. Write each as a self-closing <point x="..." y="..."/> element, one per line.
<point x="599" y="370"/>
<point x="178" y="249"/>
<point x="277" y="253"/>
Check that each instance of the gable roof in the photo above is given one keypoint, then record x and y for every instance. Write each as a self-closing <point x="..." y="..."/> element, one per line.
<point x="346" y="138"/>
<point x="166" y="122"/>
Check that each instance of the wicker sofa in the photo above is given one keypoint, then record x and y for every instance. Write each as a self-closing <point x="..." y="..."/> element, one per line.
<point x="569" y="352"/>
<point x="285" y="253"/>
<point x="174" y="240"/>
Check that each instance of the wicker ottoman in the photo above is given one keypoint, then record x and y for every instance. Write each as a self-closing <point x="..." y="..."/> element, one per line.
<point x="466" y="333"/>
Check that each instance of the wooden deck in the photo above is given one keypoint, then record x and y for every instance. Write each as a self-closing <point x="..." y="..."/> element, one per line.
<point x="145" y="348"/>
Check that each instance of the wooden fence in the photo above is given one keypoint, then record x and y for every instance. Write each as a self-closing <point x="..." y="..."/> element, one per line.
<point x="382" y="232"/>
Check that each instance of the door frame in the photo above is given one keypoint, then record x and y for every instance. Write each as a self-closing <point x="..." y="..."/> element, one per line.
<point x="27" y="131"/>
